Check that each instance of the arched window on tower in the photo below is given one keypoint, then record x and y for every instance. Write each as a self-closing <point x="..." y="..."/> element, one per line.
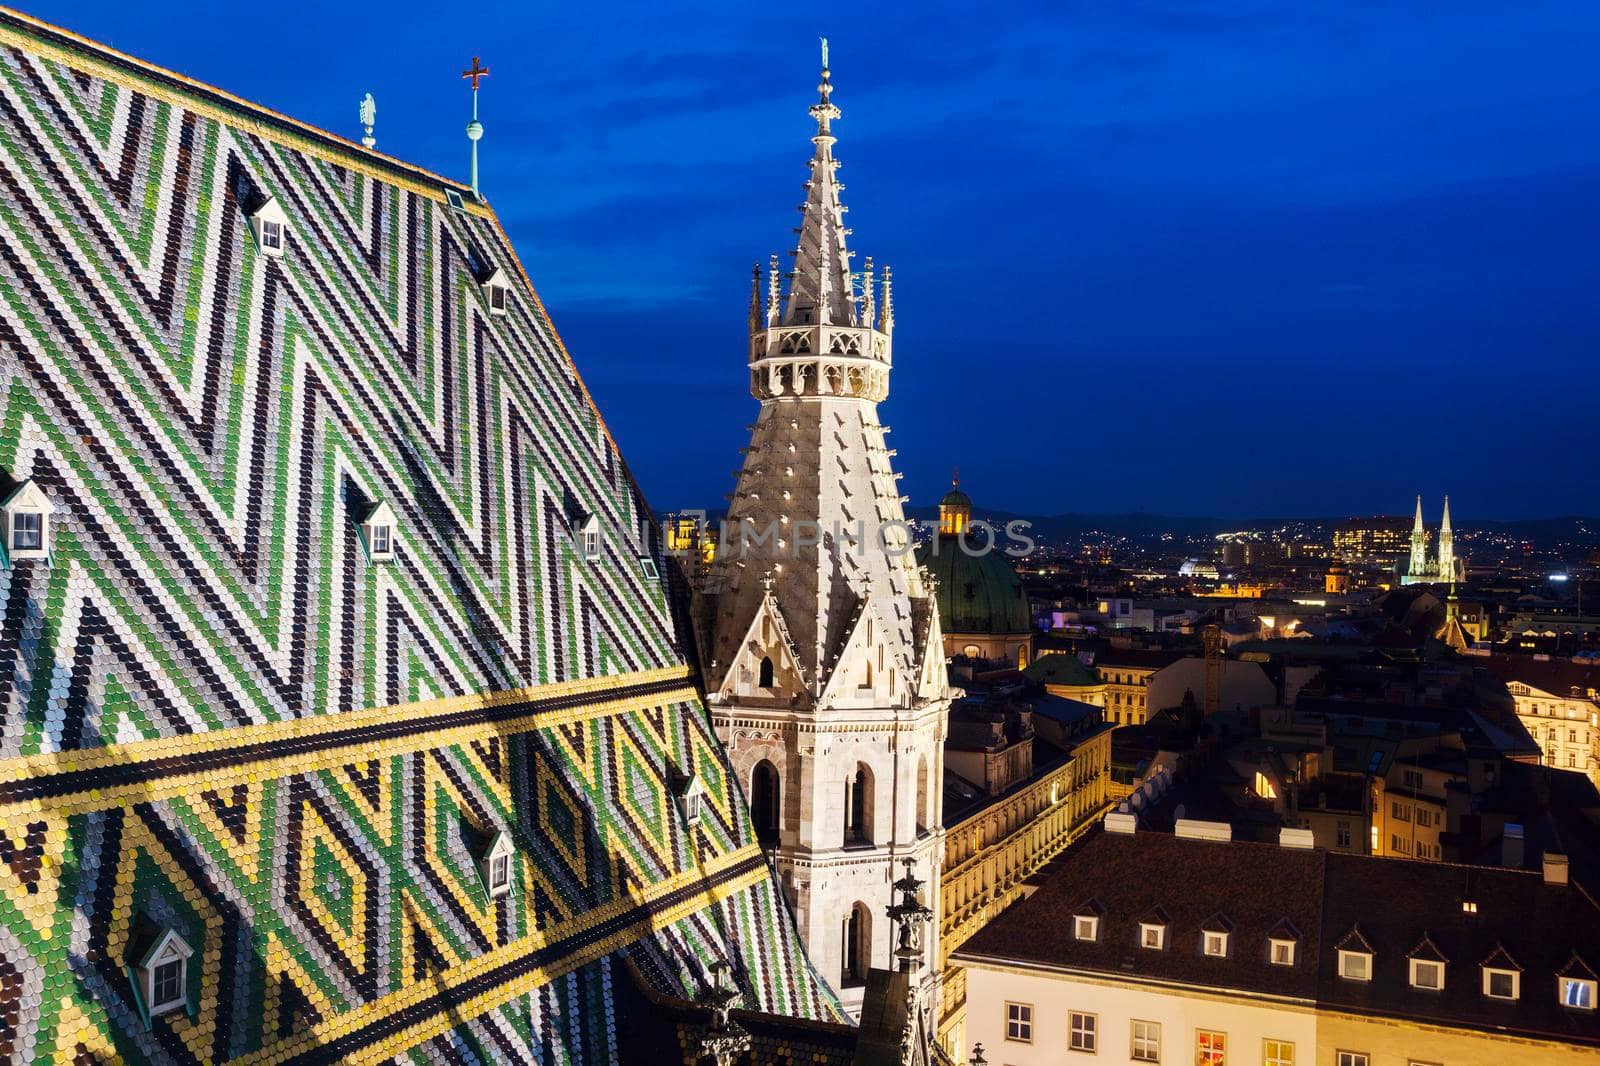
<point x="858" y="807"/>
<point x="764" y="802"/>
<point x="855" y="947"/>
<point x="765" y="680"/>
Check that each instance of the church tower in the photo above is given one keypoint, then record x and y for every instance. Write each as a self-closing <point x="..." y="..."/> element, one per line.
<point x="1447" y="547"/>
<point x="824" y="664"/>
<point x="1419" y="547"/>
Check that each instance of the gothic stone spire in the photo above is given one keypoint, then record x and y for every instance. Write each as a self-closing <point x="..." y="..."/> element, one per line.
<point x="821" y="288"/>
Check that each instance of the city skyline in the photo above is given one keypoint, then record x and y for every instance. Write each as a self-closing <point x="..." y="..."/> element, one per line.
<point x="1364" y="222"/>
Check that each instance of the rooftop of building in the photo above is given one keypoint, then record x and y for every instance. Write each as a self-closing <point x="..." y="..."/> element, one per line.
<point x="1465" y="916"/>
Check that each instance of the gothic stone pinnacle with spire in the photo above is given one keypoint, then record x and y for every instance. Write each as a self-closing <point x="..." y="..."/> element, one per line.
<point x="823" y="657"/>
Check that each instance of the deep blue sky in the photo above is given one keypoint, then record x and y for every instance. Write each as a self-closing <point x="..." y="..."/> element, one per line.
<point x="1204" y="258"/>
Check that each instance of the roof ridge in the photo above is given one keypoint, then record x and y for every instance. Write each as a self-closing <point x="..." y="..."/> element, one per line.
<point x="215" y="99"/>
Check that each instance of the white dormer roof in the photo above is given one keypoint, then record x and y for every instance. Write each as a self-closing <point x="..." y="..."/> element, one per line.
<point x="497" y="276"/>
<point x="380" y="514"/>
<point x="269" y="210"/>
<point x="168" y="947"/>
<point x="28" y="496"/>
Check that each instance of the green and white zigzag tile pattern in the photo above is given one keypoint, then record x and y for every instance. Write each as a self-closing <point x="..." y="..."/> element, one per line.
<point x="209" y="424"/>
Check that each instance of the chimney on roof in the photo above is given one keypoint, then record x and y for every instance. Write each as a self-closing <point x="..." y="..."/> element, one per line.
<point x="1121" y="823"/>
<point x="1302" y="839"/>
<point x="1511" y="847"/>
<point x="1555" y="868"/>
<point x="1191" y="829"/>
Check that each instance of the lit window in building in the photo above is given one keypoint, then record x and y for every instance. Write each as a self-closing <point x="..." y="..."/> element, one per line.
<point x="1576" y="992"/>
<point x="1277" y="1053"/>
<point x="1264" y="787"/>
<point x="1081" y="1031"/>
<point x="1216" y="945"/>
<point x="1151" y="936"/>
<point x="1211" y="1049"/>
<point x="1019" y="1022"/>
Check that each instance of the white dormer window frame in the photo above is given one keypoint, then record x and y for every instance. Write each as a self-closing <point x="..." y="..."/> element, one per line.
<point x="1152" y="936"/>
<point x="164" y="974"/>
<point x="1489" y="983"/>
<point x="1427" y="974"/>
<point x="1214" y="943"/>
<point x="495" y="865"/>
<point x="497" y="291"/>
<point x="589" y="539"/>
<point x="1085" y="927"/>
<point x="1355" y="965"/>
<point x="1281" y="952"/>
<point x="647" y="566"/>
<point x="692" y="801"/>
<point x="378" y="532"/>
<point x="1576" y="993"/>
<point x="270" y="226"/>
<point x="27" y="515"/>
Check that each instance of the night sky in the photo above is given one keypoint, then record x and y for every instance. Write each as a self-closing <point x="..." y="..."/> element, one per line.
<point x="1194" y="258"/>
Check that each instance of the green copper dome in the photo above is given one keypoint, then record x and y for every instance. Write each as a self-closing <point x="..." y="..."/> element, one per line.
<point x="977" y="593"/>
<point x="956" y="498"/>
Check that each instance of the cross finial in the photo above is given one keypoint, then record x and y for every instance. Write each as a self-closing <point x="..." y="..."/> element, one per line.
<point x="955" y="477"/>
<point x="476" y="74"/>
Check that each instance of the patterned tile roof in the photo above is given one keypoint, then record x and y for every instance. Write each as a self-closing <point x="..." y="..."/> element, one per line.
<point x="223" y="713"/>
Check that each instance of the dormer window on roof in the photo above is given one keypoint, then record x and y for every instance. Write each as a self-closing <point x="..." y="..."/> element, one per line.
<point x="497" y="291"/>
<point x="1085" y="927"/>
<point x="494" y="865"/>
<point x="377" y="532"/>
<point x="589" y="538"/>
<point x="1578" y="993"/>
<point x="1576" y="984"/>
<point x="1355" y="965"/>
<point x="25" y="515"/>
<point x="1427" y="975"/>
<point x="1502" y="984"/>
<point x="270" y="226"/>
<point x="159" y="964"/>
<point x="1214" y="944"/>
<point x="1502" y="976"/>
<point x="1281" y="952"/>
<point x="1152" y="935"/>
<point x="691" y="799"/>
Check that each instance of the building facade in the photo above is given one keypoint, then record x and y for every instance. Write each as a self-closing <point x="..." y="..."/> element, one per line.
<point x="991" y="851"/>
<point x="821" y="644"/>
<point x="1558" y="702"/>
<point x="1155" y="948"/>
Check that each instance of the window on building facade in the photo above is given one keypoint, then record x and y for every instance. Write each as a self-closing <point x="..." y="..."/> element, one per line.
<point x="1577" y="992"/>
<point x="1085" y="927"/>
<point x="1342" y="835"/>
<point x="1427" y="974"/>
<point x="1152" y="936"/>
<point x="163" y="972"/>
<point x="856" y="947"/>
<point x="1215" y="944"/>
<point x="27" y="531"/>
<point x="1081" y="1030"/>
<point x="1501" y="984"/>
<point x="1019" y="1022"/>
<point x="1283" y="952"/>
<point x="1210" y="1048"/>
<point x="1146" y="1046"/>
<point x="1277" y="1052"/>
<point x="25" y="517"/>
<point x="1355" y="966"/>
<point x="1353" y="1058"/>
